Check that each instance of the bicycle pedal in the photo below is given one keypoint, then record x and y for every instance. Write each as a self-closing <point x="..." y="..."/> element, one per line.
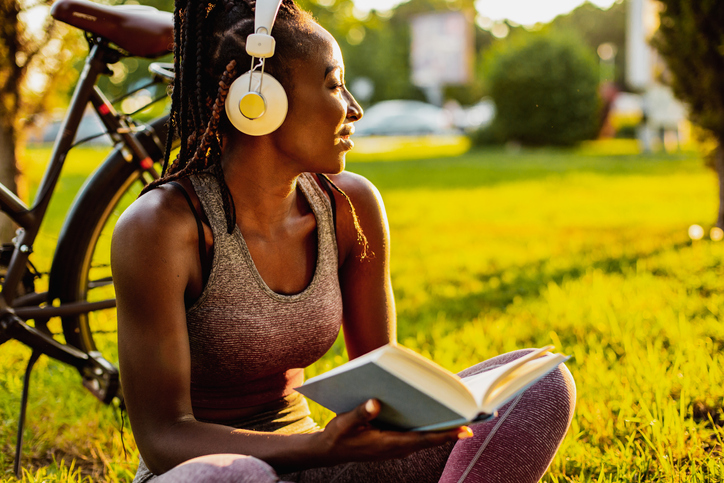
<point x="100" y="377"/>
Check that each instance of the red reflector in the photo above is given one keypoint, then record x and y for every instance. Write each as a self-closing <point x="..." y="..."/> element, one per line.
<point x="147" y="163"/>
<point x="104" y="109"/>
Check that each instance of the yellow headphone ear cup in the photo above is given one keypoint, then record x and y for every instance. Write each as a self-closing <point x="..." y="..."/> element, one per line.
<point x="252" y="105"/>
<point x="263" y="111"/>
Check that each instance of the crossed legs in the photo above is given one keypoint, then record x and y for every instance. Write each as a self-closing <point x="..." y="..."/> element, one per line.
<point x="517" y="446"/>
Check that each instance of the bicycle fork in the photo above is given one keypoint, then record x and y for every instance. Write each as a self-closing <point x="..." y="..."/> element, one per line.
<point x="100" y="377"/>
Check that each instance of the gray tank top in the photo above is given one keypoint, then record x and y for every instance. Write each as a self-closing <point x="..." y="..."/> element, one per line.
<point x="249" y="344"/>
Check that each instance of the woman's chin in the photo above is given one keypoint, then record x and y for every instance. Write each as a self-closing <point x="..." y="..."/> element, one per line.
<point x="336" y="168"/>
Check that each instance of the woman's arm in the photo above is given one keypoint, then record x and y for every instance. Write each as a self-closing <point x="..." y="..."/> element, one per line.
<point x="155" y="260"/>
<point x="369" y="305"/>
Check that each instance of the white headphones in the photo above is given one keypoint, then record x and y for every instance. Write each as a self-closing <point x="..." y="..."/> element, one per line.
<point x="256" y="103"/>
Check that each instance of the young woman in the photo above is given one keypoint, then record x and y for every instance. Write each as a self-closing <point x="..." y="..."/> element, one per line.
<point x="237" y="269"/>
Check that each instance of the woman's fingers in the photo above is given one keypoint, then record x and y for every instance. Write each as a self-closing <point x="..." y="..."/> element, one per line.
<point x="360" y="416"/>
<point x="350" y="436"/>
<point x="415" y="441"/>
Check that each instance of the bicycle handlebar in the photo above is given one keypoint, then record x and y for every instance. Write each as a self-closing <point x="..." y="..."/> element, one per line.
<point x="164" y="70"/>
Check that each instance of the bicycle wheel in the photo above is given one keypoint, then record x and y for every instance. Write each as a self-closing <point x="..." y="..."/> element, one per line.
<point x="81" y="265"/>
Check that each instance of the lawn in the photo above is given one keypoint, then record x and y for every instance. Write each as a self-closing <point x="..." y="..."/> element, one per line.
<point x="494" y="251"/>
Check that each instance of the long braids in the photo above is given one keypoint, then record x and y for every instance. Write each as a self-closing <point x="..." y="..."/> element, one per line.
<point x="195" y="116"/>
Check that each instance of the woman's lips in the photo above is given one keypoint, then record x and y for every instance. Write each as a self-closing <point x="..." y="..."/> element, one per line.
<point x="344" y="136"/>
<point x="346" y="142"/>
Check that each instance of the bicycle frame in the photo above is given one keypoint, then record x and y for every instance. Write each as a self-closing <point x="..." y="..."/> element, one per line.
<point x="99" y="376"/>
<point x="30" y="219"/>
<point x="15" y="310"/>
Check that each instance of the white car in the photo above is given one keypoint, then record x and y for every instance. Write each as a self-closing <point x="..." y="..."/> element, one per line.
<point x="404" y="118"/>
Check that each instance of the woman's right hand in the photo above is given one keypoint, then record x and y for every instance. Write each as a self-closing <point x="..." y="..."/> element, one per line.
<point x="351" y="437"/>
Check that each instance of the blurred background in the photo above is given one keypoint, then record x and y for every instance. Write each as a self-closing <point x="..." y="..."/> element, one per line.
<point x="552" y="172"/>
<point x="467" y="58"/>
<point x="437" y="77"/>
<point x="459" y="56"/>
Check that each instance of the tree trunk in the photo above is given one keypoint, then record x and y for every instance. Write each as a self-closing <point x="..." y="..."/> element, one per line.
<point x="8" y="174"/>
<point x="12" y="73"/>
<point x="719" y="166"/>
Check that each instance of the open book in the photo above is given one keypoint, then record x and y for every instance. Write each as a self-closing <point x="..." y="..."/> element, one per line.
<point x="417" y="394"/>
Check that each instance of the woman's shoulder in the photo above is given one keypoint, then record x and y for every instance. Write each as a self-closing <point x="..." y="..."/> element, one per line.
<point x="160" y="218"/>
<point x="358" y="188"/>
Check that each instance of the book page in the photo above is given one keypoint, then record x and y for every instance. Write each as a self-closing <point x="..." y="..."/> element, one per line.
<point x="519" y="379"/>
<point x="402" y="406"/>
<point x="431" y="379"/>
<point x="481" y="384"/>
<point x="358" y="362"/>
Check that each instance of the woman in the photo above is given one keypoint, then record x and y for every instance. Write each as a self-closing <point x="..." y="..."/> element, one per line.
<point x="235" y="271"/>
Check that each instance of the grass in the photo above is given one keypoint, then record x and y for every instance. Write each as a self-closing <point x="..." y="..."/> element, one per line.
<point x="494" y="251"/>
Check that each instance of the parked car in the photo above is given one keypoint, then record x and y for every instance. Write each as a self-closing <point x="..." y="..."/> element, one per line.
<point x="404" y="118"/>
<point x="477" y="116"/>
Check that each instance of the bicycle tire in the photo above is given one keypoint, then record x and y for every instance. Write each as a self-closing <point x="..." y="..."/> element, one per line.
<point x="83" y="248"/>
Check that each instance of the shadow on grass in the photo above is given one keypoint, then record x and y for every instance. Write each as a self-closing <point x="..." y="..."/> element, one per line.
<point x="489" y="167"/>
<point x="528" y="282"/>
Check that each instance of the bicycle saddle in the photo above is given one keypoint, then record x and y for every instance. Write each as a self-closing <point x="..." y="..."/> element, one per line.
<point x="141" y="31"/>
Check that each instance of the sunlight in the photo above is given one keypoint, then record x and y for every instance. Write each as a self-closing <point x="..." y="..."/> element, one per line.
<point x="524" y="12"/>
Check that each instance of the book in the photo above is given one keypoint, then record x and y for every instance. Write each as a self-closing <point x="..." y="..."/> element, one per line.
<point x="417" y="394"/>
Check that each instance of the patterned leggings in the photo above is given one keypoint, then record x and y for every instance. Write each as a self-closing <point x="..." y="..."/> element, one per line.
<point x="517" y="446"/>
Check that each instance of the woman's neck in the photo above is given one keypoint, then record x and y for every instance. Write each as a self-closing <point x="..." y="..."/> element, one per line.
<point x="263" y="187"/>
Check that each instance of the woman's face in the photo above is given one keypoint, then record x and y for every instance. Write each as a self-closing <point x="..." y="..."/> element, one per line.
<point x="316" y="132"/>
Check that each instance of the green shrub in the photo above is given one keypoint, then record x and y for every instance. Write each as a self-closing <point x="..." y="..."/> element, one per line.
<point x="545" y="89"/>
<point x="489" y="135"/>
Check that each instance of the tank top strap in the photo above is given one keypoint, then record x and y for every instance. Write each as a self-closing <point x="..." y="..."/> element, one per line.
<point x="319" y="202"/>
<point x="209" y="194"/>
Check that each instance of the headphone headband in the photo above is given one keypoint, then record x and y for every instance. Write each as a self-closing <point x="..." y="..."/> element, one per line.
<point x="261" y="44"/>
<point x="264" y="15"/>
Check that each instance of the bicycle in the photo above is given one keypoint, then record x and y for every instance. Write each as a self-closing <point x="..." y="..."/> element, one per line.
<point x="79" y="280"/>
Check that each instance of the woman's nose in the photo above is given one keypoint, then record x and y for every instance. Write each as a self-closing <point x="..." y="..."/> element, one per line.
<point x="354" y="110"/>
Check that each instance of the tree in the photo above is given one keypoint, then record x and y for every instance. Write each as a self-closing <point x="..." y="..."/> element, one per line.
<point x="30" y="61"/>
<point x="691" y="41"/>
<point x="377" y="45"/>
<point x="597" y="26"/>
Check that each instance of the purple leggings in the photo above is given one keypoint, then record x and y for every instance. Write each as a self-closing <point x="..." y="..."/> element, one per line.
<point x="517" y="446"/>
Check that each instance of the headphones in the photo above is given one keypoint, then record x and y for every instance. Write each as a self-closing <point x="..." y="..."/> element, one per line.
<point x="256" y="103"/>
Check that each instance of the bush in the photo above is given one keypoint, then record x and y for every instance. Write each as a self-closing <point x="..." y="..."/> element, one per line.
<point x="545" y="89"/>
<point x="489" y="135"/>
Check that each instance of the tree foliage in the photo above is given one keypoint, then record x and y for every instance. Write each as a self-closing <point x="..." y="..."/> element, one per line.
<point x="377" y="45"/>
<point x="545" y="89"/>
<point x="596" y="26"/>
<point x="690" y="38"/>
<point x="31" y="62"/>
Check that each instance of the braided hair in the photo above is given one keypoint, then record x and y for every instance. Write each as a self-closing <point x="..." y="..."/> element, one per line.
<point x="209" y="54"/>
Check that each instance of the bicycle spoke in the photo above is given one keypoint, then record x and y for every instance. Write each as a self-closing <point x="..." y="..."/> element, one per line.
<point x="101" y="282"/>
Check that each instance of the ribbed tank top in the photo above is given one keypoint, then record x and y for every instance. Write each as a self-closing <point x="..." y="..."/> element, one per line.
<point x="249" y="344"/>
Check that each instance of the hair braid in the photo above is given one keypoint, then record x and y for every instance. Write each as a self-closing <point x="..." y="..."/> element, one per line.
<point x="361" y="238"/>
<point x="175" y="93"/>
<point x="180" y="54"/>
<point x="199" y="117"/>
<point x="202" y="151"/>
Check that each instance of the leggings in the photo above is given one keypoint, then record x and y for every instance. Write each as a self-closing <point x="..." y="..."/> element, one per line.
<point x="517" y="446"/>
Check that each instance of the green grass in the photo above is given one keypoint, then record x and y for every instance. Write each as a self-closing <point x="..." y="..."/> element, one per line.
<point x="494" y="251"/>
